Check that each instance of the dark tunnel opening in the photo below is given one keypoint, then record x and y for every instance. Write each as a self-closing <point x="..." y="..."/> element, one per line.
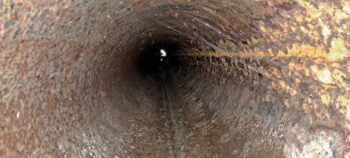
<point x="158" y="56"/>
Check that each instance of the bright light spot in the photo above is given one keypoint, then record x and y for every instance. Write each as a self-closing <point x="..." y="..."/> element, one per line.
<point x="325" y="76"/>
<point x="163" y="53"/>
<point x="326" y="31"/>
<point x="17" y="114"/>
<point x="338" y="49"/>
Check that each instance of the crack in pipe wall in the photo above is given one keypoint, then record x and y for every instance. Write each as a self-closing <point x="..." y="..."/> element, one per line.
<point x="256" y="78"/>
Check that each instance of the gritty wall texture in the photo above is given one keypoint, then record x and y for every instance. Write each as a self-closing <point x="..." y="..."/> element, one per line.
<point x="274" y="82"/>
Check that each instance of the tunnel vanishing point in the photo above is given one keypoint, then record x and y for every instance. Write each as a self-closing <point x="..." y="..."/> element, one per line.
<point x="175" y="78"/>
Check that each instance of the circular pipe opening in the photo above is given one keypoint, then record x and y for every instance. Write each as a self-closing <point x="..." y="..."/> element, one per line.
<point x="157" y="56"/>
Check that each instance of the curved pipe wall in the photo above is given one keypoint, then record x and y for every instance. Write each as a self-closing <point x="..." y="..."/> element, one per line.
<point x="244" y="79"/>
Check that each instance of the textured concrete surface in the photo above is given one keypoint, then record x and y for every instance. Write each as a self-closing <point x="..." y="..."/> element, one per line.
<point x="256" y="78"/>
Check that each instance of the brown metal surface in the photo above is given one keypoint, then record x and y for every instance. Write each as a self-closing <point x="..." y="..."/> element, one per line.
<point x="276" y="82"/>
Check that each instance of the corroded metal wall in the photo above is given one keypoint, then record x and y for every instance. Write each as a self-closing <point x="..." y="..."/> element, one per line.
<point x="273" y="83"/>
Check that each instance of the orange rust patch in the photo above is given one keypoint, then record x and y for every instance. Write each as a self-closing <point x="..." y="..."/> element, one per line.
<point x="138" y="4"/>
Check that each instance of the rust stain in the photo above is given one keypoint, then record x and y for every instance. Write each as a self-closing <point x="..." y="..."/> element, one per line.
<point x="139" y="4"/>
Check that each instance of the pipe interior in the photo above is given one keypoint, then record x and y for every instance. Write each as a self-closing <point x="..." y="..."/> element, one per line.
<point x="103" y="78"/>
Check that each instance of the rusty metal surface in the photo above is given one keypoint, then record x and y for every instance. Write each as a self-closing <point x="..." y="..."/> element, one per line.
<point x="276" y="85"/>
